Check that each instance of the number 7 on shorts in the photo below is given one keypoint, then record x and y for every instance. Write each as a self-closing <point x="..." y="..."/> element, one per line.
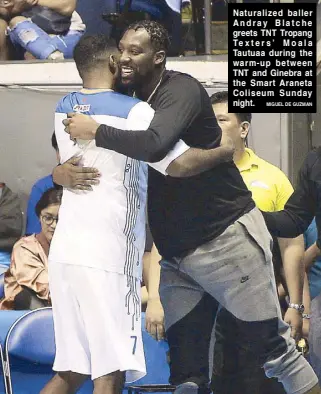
<point x="134" y="337"/>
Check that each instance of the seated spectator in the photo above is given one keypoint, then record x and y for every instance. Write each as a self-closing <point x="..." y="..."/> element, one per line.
<point x="4" y="47"/>
<point x="43" y="184"/>
<point x="11" y="223"/>
<point x="171" y="18"/>
<point x="166" y="12"/>
<point x="40" y="29"/>
<point x="26" y="281"/>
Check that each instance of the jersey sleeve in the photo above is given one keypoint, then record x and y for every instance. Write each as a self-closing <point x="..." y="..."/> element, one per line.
<point x="140" y="118"/>
<point x="67" y="147"/>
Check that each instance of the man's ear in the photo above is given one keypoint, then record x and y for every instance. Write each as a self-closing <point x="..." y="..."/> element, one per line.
<point x="245" y="128"/>
<point x="112" y="64"/>
<point x="160" y="57"/>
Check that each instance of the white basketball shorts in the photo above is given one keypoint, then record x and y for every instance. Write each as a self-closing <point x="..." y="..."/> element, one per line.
<point x="97" y="320"/>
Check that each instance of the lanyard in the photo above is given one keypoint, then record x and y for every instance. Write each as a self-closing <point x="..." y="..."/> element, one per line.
<point x="155" y="89"/>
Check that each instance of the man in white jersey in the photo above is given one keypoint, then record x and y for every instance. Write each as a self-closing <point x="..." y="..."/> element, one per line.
<point x="95" y="255"/>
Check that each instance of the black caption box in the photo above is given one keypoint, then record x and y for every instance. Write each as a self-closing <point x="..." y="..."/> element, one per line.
<point x="272" y="58"/>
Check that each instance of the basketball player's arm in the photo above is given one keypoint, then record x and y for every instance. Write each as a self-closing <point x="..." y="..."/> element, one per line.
<point x="300" y="208"/>
<point x="154" y="316"/>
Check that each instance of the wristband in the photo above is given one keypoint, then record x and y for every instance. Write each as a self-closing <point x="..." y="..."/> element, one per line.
<point x="306" y="316"/>
<point x="298" y="307"/>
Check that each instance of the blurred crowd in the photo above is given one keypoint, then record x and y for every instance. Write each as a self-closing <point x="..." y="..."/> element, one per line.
<point x="50" y="29"/>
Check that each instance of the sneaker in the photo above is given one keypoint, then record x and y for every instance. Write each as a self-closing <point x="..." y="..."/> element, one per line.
<point x="187" y="388"/>
<point x="57" y="55"/>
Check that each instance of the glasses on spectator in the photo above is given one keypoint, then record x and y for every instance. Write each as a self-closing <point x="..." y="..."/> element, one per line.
<point x="48" y="219"/>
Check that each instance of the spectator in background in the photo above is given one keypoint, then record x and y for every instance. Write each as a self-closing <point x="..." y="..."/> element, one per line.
<point x="11" y="223"/>
<point x="166" y="12"/>
<point x="172" y="20"/>
<point x="4" y="44"/>
<point x="40" y="29"/>
<point x="26" y="281"/>
<point x="43" y="184"/>
<point x="270" y="190"/>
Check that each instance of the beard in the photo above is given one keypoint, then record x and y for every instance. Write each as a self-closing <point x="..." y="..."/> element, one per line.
<point x="123" y="88"/>
<point x="134" y="84"/>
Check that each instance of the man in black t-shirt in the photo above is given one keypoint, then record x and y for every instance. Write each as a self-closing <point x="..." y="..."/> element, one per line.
<point x="215" y="246"/>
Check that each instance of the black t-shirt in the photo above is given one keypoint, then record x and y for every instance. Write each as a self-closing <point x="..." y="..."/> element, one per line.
<point x="149" y="239"/>
<point x="183" y="213"/>
<point x="304" y="203"/>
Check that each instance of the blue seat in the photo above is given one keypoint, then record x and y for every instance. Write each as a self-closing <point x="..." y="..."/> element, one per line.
<point x="5" y="259"/>
<point x="2" y="285"/>
<point x="30" y="350"/>
<point x="3" y="382"/>
<point x="7" y="318"/>
<point x="156" y="365"/>
<point x="29" y="353"/>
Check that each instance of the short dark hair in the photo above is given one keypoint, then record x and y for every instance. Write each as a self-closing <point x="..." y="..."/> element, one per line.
<point x="222" y="97"/>
<point x="54" y="143"/>
<point x="90" y="51"/>
<point x="158" y="34"/>
<point x="49" y="197"/>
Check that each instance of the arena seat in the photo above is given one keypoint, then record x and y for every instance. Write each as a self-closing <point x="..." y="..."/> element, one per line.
<point x="29" y="353"/>
<point x="3" y="382"/>
<point x="2" y="285"/>
<point x="7" y="318"/>
<point x="3" y="268"/>
<point x="156" y="379"/>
